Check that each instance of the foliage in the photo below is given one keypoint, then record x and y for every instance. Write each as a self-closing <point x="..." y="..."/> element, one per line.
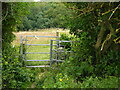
<point x="58" y="78"/>
<point x="95" y="28"/>
<point x="79" y="64"/>
<point x="60" y="81"/>
<point x="82" y="62"/>
<point x="96" y="20"/>
<point x="95" y="57"/>
<point x="95" y="24"/>
<point x="55" y="79"/>
<point x="12" y="14"/>
<point x="98" y="82"/>
<point x="66" y="37"/>
<point x="46" y="15"/>
<point x="108" y="64"/>
<point x="14" y="75"/>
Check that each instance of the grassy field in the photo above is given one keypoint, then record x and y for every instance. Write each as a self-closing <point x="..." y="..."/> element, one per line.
<point x="38" y="40"/>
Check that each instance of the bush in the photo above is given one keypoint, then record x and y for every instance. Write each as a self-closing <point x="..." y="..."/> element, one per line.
<point x="79" y="64"/>
<point x="108" y="64"/>
<point x="80" y="70"/>
<point x="98" y="82"/>
<point x="14" y="75"/>
<point x="56" y="80"/>
<point x="61" y="53"/>
<point x="82" y="62"/>
<point x="66" y="37"/>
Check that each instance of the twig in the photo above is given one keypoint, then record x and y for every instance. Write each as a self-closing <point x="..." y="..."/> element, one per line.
<point x="113" y="12"/>
<point x="5" y="15"/>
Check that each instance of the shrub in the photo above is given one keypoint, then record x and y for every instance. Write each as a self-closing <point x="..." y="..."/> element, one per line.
<point x="108" y="64"/>
<point x="61" y="53"/>
<point x="66" y="37"/>
<point x="14" y="75"/>
<point x="58" y="80"/>
<point x="98" y="82"/>
<point x="82" y="62"/>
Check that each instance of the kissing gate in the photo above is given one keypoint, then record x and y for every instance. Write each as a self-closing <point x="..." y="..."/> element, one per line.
<point x="41" y="51"/>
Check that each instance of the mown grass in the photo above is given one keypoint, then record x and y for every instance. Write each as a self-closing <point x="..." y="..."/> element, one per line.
<point x="38" y="40"/>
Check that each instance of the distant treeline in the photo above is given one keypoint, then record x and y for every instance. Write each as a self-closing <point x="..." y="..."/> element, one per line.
<point x="46" y="15"/>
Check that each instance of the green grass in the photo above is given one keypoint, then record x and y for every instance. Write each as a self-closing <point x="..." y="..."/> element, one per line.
<point x="38" y="56"/>
<point x="38" y="40"/>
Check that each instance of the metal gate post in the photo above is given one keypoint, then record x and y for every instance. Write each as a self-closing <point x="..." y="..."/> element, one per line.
<point x="51" y="46"/>
<point x="57" y="34"/>
<point x="21" y="50"/>
<point x="57" y="42"/>
<point x="25" y="48"/>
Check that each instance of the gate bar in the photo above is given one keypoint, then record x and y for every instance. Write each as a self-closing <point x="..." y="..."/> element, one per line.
<point x="62" y="41"/>
<point x="47" y="60"/>
<point x="39" y="66"/>
<point x="40" y="44"/>
<point x="37" y="60"/>
<point x="37" y="53"/>
<point x="60" y="51"/>
<point x="41" y="36"/>
<point x="57" y="60"/>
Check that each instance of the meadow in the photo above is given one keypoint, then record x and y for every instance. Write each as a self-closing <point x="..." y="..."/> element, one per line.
<point x="94" y="60"/>
<point x="37" y="40"/>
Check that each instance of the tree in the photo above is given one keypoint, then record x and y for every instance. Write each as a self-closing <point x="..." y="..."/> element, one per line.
<point x="97" y="27"/>
<point x="12" y="70"/>
<point x="47" y="15"/>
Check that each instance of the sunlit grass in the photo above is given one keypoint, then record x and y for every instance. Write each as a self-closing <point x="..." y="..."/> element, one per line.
<point x="38" y="49"/>
<point x="37" y="40"/>
<point x="38" y="56"/>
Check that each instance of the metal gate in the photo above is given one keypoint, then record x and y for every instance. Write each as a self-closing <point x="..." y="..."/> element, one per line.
<point x="52" y="54"/>
<point x="57" y="51"/>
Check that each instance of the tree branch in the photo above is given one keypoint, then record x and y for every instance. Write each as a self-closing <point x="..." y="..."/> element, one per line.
<point x="5" y="15"/>
<point x="100" y="36"/>
<point x="109" y="38"/>
<point x="113" y="12"/>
